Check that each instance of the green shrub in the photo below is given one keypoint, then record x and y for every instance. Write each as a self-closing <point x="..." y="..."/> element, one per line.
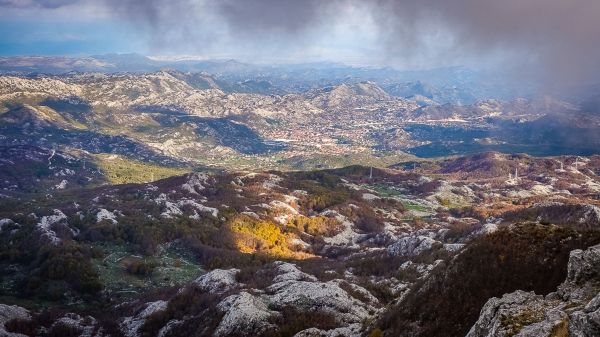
<point x="140" y="267"/>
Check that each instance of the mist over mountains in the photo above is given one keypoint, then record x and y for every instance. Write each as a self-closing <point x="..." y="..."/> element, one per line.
<point x="458" y="85"/>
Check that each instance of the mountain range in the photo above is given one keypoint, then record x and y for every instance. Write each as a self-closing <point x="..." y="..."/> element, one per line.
<point x="141" y="197"/>
<point x="174" y="117"/>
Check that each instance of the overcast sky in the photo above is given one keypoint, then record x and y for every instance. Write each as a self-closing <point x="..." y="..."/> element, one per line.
<point x="210" y="29"/>
<point x="558" y="40"/>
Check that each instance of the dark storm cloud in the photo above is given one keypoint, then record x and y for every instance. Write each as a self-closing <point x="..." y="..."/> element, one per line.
<point x="560" y="38"/>
<point x="245" y="15"/>
<point x="289" y="16"/>
<point x="258" y="28"/>
<point x="179" y="25"/>
<point x="558" y="41"/>
<point x="197" y="23"/>
<point x="151" y="11"/>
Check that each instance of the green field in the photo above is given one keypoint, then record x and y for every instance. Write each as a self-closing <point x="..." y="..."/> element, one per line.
<point x="391" y="192"/>
<point x="120" y="170"/>
<point x="174" y="267"/>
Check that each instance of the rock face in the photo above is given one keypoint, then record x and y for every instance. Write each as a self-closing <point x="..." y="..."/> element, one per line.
<point x="76" y="325"/>
<point x="83" y="326"/>
<point x="246" y="308"/>
<point x="249" y="311"/>
<point x="573" y="310"/>
<point x="325" y="297"/>
<point x="412" y="245"/>
<point x="47" y="225"/>
<point x="104" y="214"/>
<point x="218" y="280"/>
<point x="584" y="265"/>
<point x="353" y="330"/>
<point x="8" y="313"/>
<point x="131" y="325"/>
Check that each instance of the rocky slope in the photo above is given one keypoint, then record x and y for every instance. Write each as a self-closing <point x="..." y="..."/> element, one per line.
<point x="171" y="90"/>
<point x="573" y="310"/>
<point x="324" y="253"/>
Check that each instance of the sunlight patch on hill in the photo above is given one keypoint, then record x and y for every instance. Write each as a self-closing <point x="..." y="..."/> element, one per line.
<point x="120" y="170"/>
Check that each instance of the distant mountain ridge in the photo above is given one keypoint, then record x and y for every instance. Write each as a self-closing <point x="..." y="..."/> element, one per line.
<point x="456" y="85"/>
<point x="183" y="115"/>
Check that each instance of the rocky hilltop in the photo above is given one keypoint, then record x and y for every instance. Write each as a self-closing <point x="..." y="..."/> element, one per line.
<point x="573" y="310"/>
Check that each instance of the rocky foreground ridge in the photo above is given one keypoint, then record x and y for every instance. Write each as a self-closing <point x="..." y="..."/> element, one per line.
<point x="573" y="310"/>
<point x="243" y="310"/>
